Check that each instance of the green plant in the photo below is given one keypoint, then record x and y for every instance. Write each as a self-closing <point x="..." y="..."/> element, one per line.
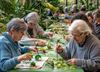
<point x="2" y="28"/>
<point x="54" y="2"/>
<point x="17" y="8"/>
<point x="14" y="8"/>
<point x="88" y="4"/>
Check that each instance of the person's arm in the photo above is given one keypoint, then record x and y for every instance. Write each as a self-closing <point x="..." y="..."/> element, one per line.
<point x="93" y="60"/>
<point x="40" y="30"/>
<point x="6" y="60"/>
<point x="63" y="52"/>
<point x="24" y="50"/>
<point x="92" y="63"/>
<point x="27" y="49"/>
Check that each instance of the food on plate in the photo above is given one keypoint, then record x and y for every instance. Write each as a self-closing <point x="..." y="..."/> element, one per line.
<point x="60" y="64"/>
<point x="38" y="57"/>
<point x="33" y="64"/>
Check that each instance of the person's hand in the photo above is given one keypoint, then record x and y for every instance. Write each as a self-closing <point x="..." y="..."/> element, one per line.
<point x="59" y="49"/>
<point x="72" y="61"/>
<point x="33" y="48"/>
<point x="41" y="42"/>
<point x="26" y="56"/>
<point x="50" y="34"/>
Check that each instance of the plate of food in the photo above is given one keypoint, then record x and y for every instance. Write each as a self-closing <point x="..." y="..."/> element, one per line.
<point x="36" y="62"/>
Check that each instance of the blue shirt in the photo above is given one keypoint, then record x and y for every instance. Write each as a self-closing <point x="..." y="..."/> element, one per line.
<point x="9" y="51"/>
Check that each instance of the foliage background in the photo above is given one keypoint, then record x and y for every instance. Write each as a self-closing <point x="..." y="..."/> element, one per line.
<point x="19" y="8"/>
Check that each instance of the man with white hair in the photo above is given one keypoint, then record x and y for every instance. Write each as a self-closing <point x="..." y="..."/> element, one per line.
<point x="83" y="49"/>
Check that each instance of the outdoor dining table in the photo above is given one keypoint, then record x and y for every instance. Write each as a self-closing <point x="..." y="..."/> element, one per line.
<point x="50" y="54"/>
<point x="46" y="70"/>
<point x="46" y="67"/>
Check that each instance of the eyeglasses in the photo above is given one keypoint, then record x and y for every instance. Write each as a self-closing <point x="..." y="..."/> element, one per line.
<point x="77" y="34"/>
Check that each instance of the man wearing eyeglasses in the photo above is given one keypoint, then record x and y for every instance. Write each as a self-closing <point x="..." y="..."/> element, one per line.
<point x="83" y="49"/>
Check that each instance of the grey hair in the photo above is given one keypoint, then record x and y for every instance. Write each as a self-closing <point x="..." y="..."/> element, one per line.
<point x="32" y="16"/>
<point x="16" y="24"/>
<point x="80" y="25"/>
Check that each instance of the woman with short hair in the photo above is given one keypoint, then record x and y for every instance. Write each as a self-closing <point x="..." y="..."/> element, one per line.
<point x="34" y="29"/>
<point x="11" y="53"/>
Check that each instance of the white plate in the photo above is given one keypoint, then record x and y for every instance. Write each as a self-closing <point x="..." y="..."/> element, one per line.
<point x="27" y="64"/>
<point x="28" y="42"/>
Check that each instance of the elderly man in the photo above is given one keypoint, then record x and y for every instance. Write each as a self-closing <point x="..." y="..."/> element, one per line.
<point x="10" y="52"/>
<point x="83" y="49"/>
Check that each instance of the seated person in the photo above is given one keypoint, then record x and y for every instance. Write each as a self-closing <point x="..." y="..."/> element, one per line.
<point x="10" y="52"/>
<point x="96" y="25"/>
<point x="83" y="49"/>
<point x="33" y="27"/>
<point x="89" y="16"/>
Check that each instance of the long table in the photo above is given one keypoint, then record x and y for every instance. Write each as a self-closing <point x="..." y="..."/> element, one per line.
<point x="46" y="70"/>
<point x="50" y="54"/>
<point x="46" y="67"/>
